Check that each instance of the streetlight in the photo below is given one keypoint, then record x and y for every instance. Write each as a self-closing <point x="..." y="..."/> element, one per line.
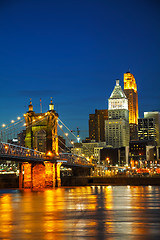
<point x="108" y="160"/>
<point x="3" y="125"/>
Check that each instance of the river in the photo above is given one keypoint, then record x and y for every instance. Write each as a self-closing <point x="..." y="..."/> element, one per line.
<point x="102" y="212"/>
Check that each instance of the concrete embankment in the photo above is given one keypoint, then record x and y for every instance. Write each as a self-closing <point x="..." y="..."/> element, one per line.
<point x="9" y="181"/>
<point x="121" y="181"/>
<point x="12" y="181"/>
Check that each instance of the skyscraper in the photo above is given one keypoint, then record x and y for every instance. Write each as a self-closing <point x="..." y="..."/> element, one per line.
<point x="130" y="90"/>
<point x="117" y="125"/>
<point x="96" y="125"/>
<point x="146" y="129"/>
<point x="156" y="116"/>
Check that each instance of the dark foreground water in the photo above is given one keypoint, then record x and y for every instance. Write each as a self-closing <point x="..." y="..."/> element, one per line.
<point x="104" y="212"/>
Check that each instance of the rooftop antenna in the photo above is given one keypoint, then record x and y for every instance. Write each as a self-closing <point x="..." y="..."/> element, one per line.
<point x="40" y="105"/>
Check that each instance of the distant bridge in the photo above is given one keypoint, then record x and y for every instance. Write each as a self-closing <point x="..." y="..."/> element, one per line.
<point x="36" y="169"/>
<point x="40" y="169"/>
<point x="21" y="154"/>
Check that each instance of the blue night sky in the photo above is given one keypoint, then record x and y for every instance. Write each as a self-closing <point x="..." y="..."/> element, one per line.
<point x="74" y="51"/>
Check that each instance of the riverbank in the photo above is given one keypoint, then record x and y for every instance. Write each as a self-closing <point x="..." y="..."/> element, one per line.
<point x="117" y="180"/>
<point x="9" y="181"/>
<point x="12" y="181"/>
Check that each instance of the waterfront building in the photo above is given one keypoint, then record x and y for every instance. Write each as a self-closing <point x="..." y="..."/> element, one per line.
<point x="87" y="149"/>
<point x="146" y="129"/>
<point x="97" y="154"/>
<point x="117" y="125"/>
<point x="156" y="116"/>
<point x="130" y="90"/>
<point x="114" y="156"/>
<point x="97" y="125"/>
<point x="143" y="153"/>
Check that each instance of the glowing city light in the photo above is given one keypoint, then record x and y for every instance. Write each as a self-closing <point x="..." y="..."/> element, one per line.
<point x="49" y="154"/>
<point x="3" y="125"/>
<point x="12" y="121"/>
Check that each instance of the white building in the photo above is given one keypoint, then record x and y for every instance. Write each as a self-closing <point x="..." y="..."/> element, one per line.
<point x="117" y="125"/>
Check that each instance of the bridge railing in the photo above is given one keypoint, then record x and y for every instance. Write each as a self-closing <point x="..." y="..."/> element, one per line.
<point x="15" y="150"/>
<point x="74" y="159"/>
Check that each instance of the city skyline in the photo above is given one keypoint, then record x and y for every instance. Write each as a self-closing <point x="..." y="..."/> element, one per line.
<point x="74" y="52"/>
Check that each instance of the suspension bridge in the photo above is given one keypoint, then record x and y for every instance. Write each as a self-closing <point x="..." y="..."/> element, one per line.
<point x="33" y="142"/>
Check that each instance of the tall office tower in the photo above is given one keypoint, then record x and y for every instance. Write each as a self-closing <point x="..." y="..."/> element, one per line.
<point x="130" y="90"/>
<point x="97" y="125"/>
<point x="146" y="129"/>
<point x="156" y="116"/>
<point x="117" y="125"/>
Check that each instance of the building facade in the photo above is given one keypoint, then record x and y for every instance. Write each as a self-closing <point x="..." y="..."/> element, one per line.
<point x="87" y="149"/>
<point x="156" y="116"/>
<point x="130" y="90"/>
<point x="117" y="125"/>
<point x="115" y="156"/>
<point x="142" y="153"/>
<point x="97" y="125"/>
<point x="146" y="129"/>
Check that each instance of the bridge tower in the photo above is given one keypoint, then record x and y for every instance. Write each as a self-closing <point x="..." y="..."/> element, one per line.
<point x="41" y="130"/>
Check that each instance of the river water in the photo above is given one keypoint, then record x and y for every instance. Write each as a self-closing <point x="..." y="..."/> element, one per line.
<point x="102" y="212"/>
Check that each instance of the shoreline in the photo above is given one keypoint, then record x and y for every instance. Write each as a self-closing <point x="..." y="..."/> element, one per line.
<point x="12" y="181"/>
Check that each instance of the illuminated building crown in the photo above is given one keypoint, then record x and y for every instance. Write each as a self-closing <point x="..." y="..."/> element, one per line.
<point x="129" y="81"/>
<point x="118" y="99"/>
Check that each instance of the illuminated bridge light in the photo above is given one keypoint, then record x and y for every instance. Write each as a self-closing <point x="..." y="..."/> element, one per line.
<point x="49" y="154"/>
<point x="18" y="118"/>
<point x="3" y="125"/>
<point x="12" y="121"/>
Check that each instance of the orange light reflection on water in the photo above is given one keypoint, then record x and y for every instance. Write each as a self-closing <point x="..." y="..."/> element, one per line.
<point x="6" y="225"/>
<point x="93" y="212"/>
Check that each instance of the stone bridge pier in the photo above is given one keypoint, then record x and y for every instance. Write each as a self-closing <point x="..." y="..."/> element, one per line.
<point x="37" y="176"/>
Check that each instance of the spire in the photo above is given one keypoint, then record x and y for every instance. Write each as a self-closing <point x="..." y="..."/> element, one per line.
<point x="117" y="82"/>
<point x="118" y="92"/>
<point x="51" y="106"/>
<point x="128" y="70"/>
<point x="118" y="99"/>
<point x="30" y="106"/>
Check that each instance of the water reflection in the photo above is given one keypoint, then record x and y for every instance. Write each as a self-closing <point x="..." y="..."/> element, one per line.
<point x="102" y="212"/>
